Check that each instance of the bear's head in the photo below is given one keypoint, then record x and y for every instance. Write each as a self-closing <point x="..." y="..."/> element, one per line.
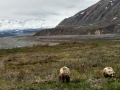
<point x="108" y="72"/>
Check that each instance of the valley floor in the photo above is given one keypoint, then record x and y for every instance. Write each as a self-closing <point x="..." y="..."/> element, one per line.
<point x="64" y="38"/>
<point x="23" y="41"/>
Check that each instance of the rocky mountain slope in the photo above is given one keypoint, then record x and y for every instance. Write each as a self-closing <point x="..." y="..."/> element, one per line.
<point x="100" y="18"/>
<point x="103" y="10"/>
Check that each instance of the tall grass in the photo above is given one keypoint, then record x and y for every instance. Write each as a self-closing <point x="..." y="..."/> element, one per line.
<point x="37" y="67"/>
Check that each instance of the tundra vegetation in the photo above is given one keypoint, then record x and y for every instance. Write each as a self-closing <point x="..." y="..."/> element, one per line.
<point x="37" y="67"/>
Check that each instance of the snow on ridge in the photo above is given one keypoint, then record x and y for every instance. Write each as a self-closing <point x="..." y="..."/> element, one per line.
<point x="26" y="24"/>
<point x="82" y="12"/>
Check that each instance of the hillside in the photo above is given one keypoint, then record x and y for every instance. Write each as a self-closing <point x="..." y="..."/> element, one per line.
<point x="102" y="11"/>
<point x="37" y="68"/>
<point x="100" y="18"/>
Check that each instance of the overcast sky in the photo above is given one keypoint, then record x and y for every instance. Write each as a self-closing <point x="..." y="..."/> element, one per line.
<point x="45" y="9"/>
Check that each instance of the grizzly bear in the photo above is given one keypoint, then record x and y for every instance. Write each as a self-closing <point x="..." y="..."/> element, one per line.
<point x="64" y="75"/>
<point x="108" y="72"/>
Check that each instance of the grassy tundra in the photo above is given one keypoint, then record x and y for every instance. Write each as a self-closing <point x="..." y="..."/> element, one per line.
<point x="37" y="67"/>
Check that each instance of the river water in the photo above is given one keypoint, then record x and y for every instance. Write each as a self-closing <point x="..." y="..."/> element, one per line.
<point x="21" y="41"/>
<point x="30" y="40"/>
<point x="14" y="42"/>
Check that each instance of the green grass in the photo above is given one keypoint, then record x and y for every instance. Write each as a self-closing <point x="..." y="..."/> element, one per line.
<point x="73" y="85"/>
<point x="21" y="67"/>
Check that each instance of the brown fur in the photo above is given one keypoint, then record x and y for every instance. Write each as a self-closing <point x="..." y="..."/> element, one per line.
<point x="64" y="78"/>
<point x="108" y="72"/>
<point x="64" y="75"/>
<point x="106" y="75"/>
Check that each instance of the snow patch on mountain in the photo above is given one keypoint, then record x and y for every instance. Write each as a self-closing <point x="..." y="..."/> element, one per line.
<point x="6" y="24"/>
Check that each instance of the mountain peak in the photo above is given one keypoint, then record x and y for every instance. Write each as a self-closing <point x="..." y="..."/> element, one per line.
<point x="100" y="18"/>
<point x="102" y="10"/>
<point x="7" y="24"/>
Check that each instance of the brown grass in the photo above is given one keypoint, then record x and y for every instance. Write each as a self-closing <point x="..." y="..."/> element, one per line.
<point x="34" y="66"/>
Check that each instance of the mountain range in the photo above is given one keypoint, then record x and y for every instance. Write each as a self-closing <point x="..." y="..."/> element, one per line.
<point x="6" y="24"/>
<point x="23" y="27"/>
<point x="100" y="18"/>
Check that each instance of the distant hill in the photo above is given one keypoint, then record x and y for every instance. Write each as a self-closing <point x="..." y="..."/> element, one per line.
<point x="100" y="18"/>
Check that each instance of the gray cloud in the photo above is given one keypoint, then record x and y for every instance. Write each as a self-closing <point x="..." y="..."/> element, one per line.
<point x="48" y="9"/>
